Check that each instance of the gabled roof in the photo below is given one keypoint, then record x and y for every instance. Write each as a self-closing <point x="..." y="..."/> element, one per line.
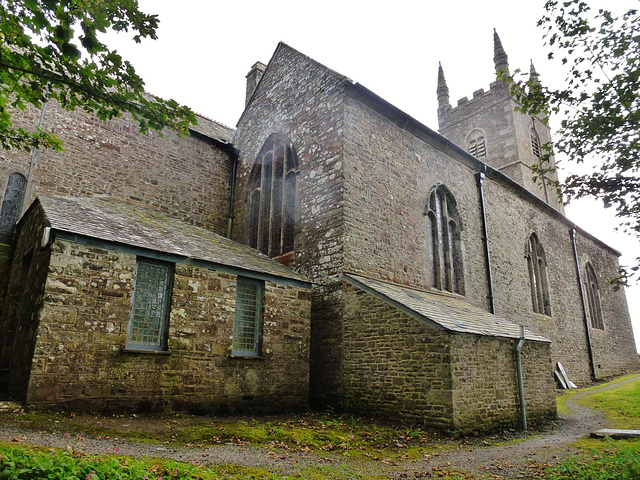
<point x="403" y="120"/>
<point x="442" y="311"/>
<point x="131" y="225"/>
<point x="212" y="129"/>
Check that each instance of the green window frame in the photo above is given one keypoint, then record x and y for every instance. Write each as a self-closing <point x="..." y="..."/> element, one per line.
<point x="247" y="322"/>
<point x="149" y="320"/>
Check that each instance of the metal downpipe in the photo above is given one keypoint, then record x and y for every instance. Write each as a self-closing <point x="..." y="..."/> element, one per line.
<point x="232" y="193"/>
<point x="523" y="407"/>
<point x="485" y="240"/>
<point x="587" y="328"/>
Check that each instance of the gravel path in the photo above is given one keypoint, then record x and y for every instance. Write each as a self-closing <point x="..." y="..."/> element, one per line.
<point x="523" y="459"/>
<point x="516" y="460"/>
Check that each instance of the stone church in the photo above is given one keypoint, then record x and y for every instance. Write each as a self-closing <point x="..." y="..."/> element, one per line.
<point x="329" y="250"/>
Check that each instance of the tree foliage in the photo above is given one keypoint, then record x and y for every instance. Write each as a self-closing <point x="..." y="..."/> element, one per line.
<point x="599" y="103"/>
<point x="50" y="49"/>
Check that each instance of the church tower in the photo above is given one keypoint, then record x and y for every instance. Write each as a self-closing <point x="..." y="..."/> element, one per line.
<point x="488" y="127"/>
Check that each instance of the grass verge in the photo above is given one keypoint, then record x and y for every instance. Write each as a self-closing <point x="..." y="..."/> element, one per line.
<point x="310" y="432"/>
<point x="24" y="463"/>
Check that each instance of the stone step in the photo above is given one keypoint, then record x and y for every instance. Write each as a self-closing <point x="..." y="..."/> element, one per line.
<point x="10" y="407"/>
<point x="615" y="433"/>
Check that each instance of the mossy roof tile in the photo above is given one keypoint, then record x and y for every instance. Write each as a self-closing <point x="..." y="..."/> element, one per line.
<point x="125" y="223"/>
<point x="443" y="311"/>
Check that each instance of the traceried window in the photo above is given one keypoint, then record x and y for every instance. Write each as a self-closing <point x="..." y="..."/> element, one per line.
<point x="148" y="324"/>
<point x="247" y="319"/>
<point x="272" y="198"/>
<point x="444" y="243"/>
<point x="593" y="298"/>
<point x="535" y="143"/>
<point x="11" y="205"/>
<point x="537" y="265"/>
<point x="476" y="144"/>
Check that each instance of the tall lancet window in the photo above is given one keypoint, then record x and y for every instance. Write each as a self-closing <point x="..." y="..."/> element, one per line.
<point x="537" y="266"/>
<point x="272" y="198"/>
<point x="443" y="241"/>
<point x="476" y="145"/>
<point x="11" y="205"/>
<point x="593" y="298"/>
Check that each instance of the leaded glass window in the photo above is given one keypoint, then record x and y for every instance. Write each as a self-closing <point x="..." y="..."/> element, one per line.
<point x="246" y="323"/>
<point x="272" y="198"/>
<point x="444" y="242"/>
<point x="537" y="266"/>
<point x="148" y="324"/>
<point x="593" y="298"/>
<point x="11" y="205"/>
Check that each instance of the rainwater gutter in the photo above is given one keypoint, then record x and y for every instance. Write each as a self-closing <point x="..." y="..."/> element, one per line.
<point x="587" y="329"/>
<point x="523" y="407"/>
<point x="485" y="240"/>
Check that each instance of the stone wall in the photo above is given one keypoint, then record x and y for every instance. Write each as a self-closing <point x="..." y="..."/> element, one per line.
<point x="389" y="173"/>
<point x="23" y="303"/>
<point x="299" y="98"/>
<point x="394" y="365"/>
<point x="565" y="326"/>
<point x="184" y="177"/>
<point x="80" y="361"/>
<point x="485" y="387"/>
<point x="397" y="366"/>
<point x="6" y="255"/>
<point x="614" y="348"/>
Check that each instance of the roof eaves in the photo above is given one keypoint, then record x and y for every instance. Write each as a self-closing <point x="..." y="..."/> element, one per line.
<point x="82" y="238"/>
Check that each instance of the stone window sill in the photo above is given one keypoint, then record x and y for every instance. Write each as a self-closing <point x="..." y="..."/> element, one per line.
<point x="247" y="357"/>
<point x="144" y="352"/>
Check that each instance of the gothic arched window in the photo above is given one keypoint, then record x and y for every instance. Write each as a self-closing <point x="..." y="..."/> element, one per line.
<point x="593" y="298"/>
<point x="444" y="243"/>
<point x="535" y="143"/>
<point x="11" y="205"/>
<point x="272" y="198"/>
<point x="537" y="265"/>
<point x="476" y="144"/>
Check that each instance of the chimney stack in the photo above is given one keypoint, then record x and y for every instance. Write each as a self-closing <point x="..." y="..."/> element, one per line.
<point x="253" y="78"/>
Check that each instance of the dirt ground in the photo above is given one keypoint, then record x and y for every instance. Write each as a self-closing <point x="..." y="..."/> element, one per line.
<point x="516" y="459"/>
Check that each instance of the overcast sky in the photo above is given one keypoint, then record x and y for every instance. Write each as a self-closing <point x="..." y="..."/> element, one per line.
<point x="206" y="48"/>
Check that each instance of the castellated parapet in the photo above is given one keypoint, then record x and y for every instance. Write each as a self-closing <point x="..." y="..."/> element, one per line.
<point x="489" y="127"/>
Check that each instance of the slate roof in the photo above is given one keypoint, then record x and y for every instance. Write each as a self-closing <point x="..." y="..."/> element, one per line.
<point x="124" y="223"/>
<point x="212" y="129"/>
<point x="442" y="311"/>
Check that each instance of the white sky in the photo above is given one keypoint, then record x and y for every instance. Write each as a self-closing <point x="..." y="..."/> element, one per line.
<point x="206" y="48"/>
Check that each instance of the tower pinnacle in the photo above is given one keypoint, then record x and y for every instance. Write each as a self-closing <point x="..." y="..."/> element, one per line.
<point x="443" y="89"/>
<point x="534" y="78"/>
<point x="500" y="58"/>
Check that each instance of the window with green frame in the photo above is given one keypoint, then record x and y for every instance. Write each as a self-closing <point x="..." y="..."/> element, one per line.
<point x="247" y="319"/>
<point x="148" y="324"/>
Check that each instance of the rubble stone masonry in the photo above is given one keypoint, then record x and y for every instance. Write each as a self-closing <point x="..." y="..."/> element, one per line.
<point x="79" y="356"/>
<point x="397" y="366"/>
